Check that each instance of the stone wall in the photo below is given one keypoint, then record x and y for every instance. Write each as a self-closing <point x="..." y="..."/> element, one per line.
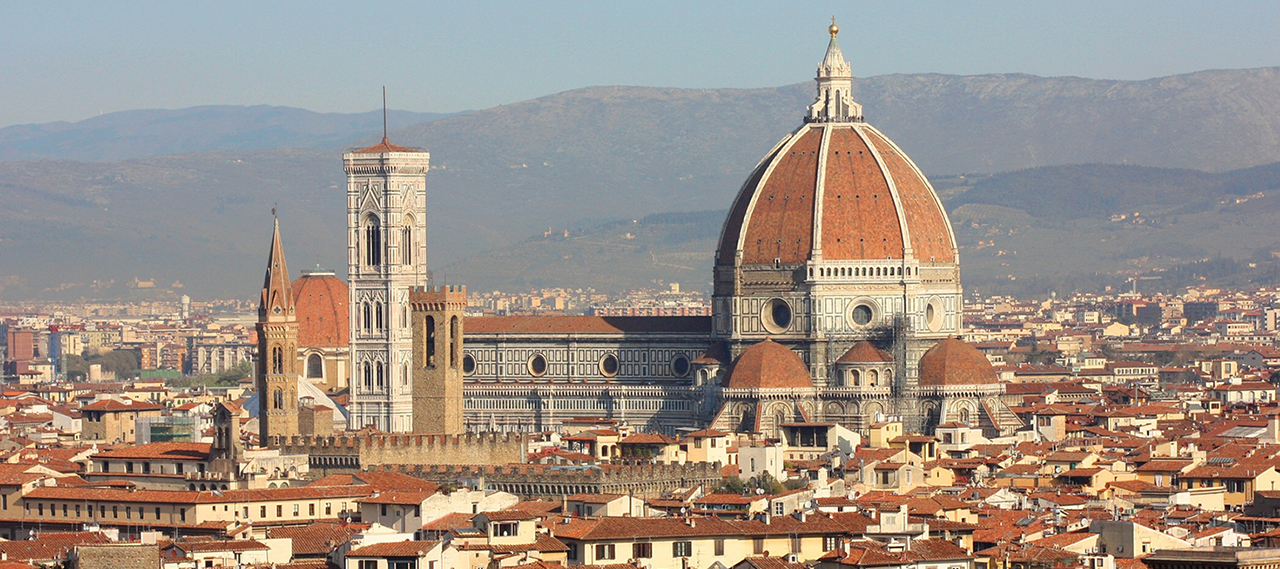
<point x="329" y="455"/>
<point x="543" y="481"/>
<point x="116" y="556"/>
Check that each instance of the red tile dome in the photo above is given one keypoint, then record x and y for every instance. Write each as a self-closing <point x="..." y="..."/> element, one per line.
<point x="769" y="365"/>
<point x="953" y="362"/>
<point x="836" y="191"/>
<point x="320" y="299"/>
<point x="865" y="352"/>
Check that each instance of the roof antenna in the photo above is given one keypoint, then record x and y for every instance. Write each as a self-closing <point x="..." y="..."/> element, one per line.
<point x="384" y="113"/>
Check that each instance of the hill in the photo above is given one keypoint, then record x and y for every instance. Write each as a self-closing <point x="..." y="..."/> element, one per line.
<point x="153" y="132"/>
<point x="1019" y="232"/>
<point x="592" y="156"/>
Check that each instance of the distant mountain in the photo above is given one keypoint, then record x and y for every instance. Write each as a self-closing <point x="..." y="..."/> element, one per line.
<point x="591" y="157"/>
<point x="1019" y="232"/>
<point x="153" y="132"/>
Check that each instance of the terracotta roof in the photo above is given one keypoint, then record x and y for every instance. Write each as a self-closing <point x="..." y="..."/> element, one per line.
<point x="320" y="301"/>
<point x="768" y="365"/>
<point x="378" y="481"/>
<point x="16" y="474"/>
<point x="49" y="546"/>
<point x="449" y="522"/>
<point x="394" y="549"/>
<point x="865" y="352"/>
<point x="953" y="362"/>
<point x="158" y="451"/>
<point x="587" y="324"/>
<point x="384" y="147"/>
<point x="316" y="538"/>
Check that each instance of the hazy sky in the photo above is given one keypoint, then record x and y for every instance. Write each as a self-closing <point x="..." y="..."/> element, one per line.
<point x="70" y="61"/>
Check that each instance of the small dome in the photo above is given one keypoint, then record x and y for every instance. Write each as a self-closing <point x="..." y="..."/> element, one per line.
<point x="953" y="362"/>
<point x="865" y="352"/>
<point x="768" y="365"/>
<point x="320" y="300"/>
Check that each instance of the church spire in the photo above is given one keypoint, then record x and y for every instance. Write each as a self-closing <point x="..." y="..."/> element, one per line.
<point x="835" y="82"/>
<point x="277" y="291"/>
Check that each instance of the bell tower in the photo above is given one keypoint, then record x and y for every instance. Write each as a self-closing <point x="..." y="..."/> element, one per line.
<point x="386" y="257"/>
<point x="437" y="359"/>
<point x="277" y="372"/>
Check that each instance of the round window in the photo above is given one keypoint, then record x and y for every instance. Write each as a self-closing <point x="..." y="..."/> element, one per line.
<point x="933" y="315"/>
<point x="861" y="314"/>
<point x="468" y="364"/>
<point x="537" y="365"/>
<point x="609" y="365"/>
<point x="680" y="365"/>
<point x="776" y="315"/>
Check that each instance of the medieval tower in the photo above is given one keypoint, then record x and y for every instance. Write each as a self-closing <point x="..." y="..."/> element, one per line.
<point x="437" y="359"/>
<point x="277" y="373"/>
<point x="386" y="257"/>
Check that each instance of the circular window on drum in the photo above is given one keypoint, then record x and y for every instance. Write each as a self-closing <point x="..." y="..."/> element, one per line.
<point x="468" y="364"/>
<point x="680" y="365"/>
<point x="776" y="315"/>
<point x="933" y="314"/>
<point x="609" y="365"/>
<point x="861" y="314"/>
<point x="537" y="365"/>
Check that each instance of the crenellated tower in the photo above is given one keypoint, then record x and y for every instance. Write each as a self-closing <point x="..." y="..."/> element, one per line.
<point x="277" y="372"/>
<point x="386" y="257"/>
<point x="437" y="359"/>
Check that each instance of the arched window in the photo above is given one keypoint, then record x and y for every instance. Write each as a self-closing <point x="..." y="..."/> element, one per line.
<point x="277" y="399"/>
<point x="368" y="376"/>
<point x="857" y="378"/>
<point x="963" y="415"/>
<point x="873" y="377"/>
<point x="379" y="377"/>
<point x="367" y="320"/>
<point x="404" y="375"/>
<point x="277" y="360"/>
<point x="455" y="343"/>
<point x="377" y="318"/>
<point x="315" y="366"/>
<point x="430" y="340"/>
<point x="372" y="241"/>
<point x="407" y="244"/>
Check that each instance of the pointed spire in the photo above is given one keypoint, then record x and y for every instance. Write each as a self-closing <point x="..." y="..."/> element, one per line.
<point x="834" y="65"/>
<point x="277" y="289"/>
<point x="835" y="82"/>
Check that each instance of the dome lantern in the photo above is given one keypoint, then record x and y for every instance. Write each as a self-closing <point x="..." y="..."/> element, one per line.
<point x="835" y="85"/>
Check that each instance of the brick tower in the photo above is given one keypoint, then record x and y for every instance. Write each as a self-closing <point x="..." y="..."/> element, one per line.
<point x="277" y="373"/>
<point x="437" y="359"/>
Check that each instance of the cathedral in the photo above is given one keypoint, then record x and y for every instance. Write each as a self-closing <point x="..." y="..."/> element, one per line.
<point x="836" y="299"/>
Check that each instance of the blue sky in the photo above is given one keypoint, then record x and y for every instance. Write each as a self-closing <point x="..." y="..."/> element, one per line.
<point x="70" y="61"/>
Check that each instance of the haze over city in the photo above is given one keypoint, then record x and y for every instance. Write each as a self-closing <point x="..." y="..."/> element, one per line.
<point x="640" y="286"/>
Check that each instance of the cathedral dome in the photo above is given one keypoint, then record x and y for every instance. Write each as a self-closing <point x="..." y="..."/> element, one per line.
<point x="321" y="305"/>
<point x="953" y="362"/>
<point x="865" y="352"/>
<point x="836" y="189"/>
<point x="768" y="365"/>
